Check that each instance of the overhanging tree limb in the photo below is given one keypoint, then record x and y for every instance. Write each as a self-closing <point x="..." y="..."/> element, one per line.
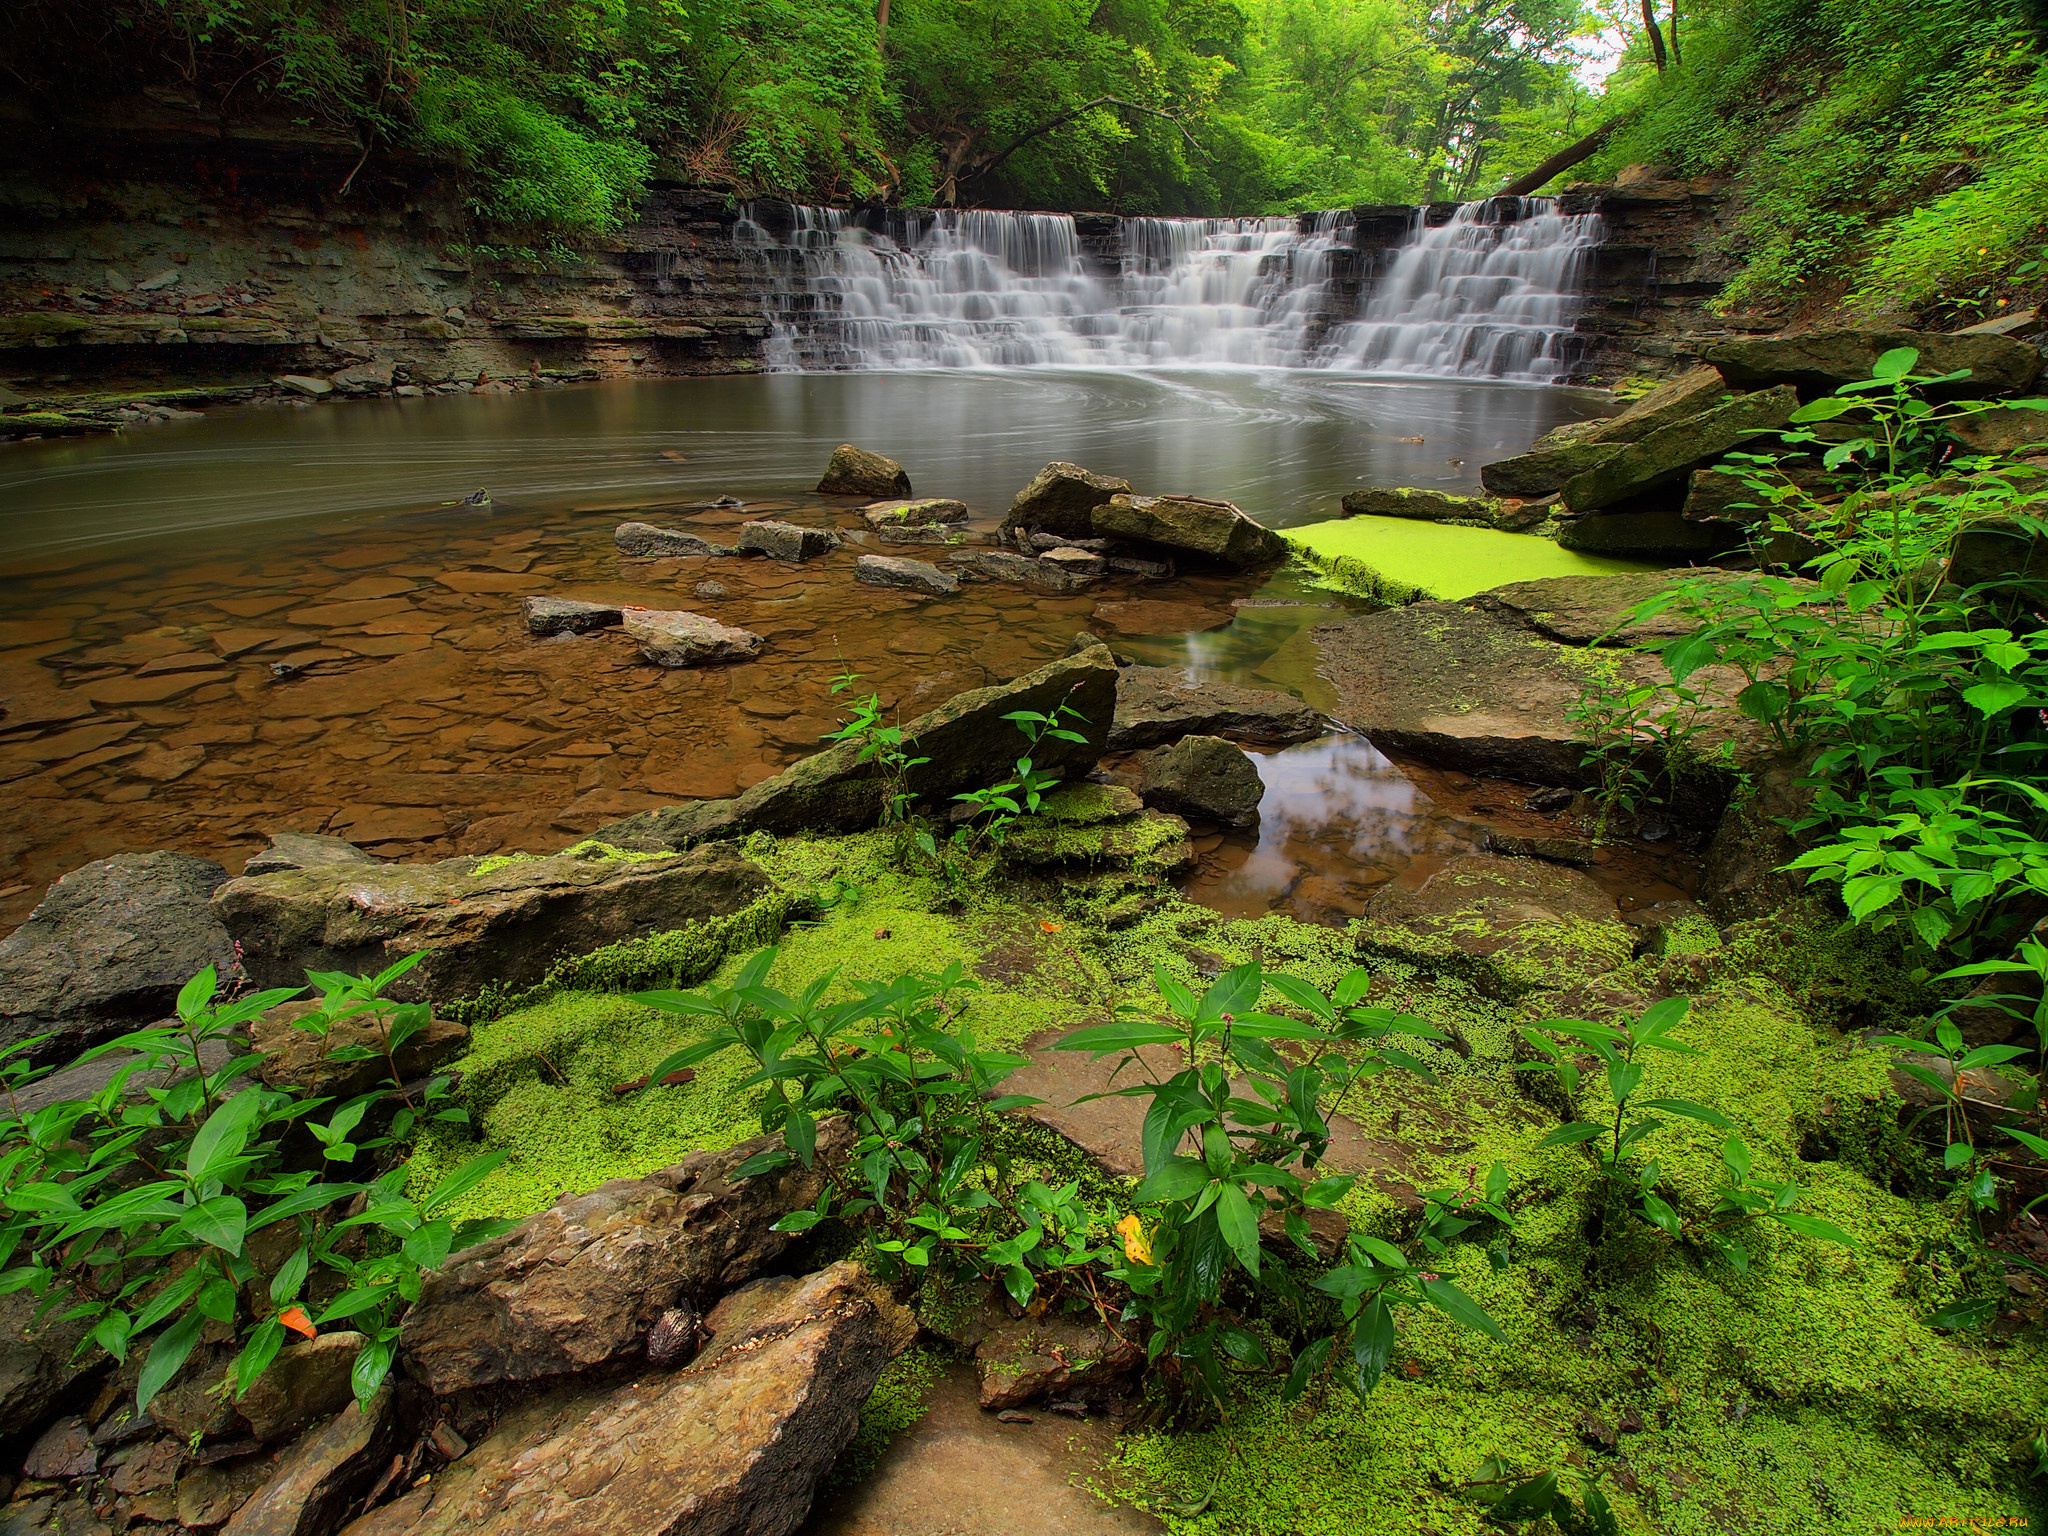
<point x="1563" y="160"/>
<point x="1067" y="117"/>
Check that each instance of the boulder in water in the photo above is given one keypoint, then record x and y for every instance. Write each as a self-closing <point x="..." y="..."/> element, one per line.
<point x="914" y="514"/>
<point x="1217" y="530"/>
<point x="1160" y="704"/>
<point x="1426" y="506"/>
<point x="1062" y="498"/>
<point x="786" y="541"/>
<point x="648" y="541"/>
<point x="672" y="638"/>
<point x="1045" y="575"/>
<point x="1646" y="533"/>
<point x="567" y="615"/>
<point x="1543" y="470"/>
<point x="1821" y="361"/>
<point x="910" y="575"/>
<point x="1694" y="391"/>
<point x="856" y="472"/>
<point x="1204" y="778"/>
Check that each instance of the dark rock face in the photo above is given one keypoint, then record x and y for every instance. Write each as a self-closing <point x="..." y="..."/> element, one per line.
<point x="1024" y="1359"/>
<point x="108" y="948"/>
<point x="1694" y="391"/>
<point x="856" y="472"/>
<point x="304" y="850"/>
<point x="307" y="1381"/>
<point x="1043" y="571"/>
<point x="1544" y="470"/>
<point x="505" y="927"/>
<point x="567" y="616"/>
<point x="1669" y="453"/>
<point x="1216" y="530"/>
<point x="1160" y="704"/>
<point x="1823" y="361"/>
<point x="1205" y="778"/>
<point x="649" y="542"/>
<point x="1635" y="531"/>
<point x="1062" y="499"/>
<point x="585" y="1280"/>
<point x="733" y="1444"/>
<point x="966" y="742"/>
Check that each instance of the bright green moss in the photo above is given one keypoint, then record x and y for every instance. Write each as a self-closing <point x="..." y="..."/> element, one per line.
<point x="1398" y="560"/>
<point x="589" y="848"/>
<point x="899" y="1400"/>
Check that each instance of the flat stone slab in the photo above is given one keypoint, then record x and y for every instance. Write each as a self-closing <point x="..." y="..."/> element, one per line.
<point x="960" y="1470"/>
<point x="647" y="541"/>
<point x="680" y="639"/>
<point x="1217" y="530"/>
<point x="1162" y="704"/>
<point x="922" y="512"/>
<point x="1820" y="361"/>
<point x="909" y="575"/>
<point x="786" y="541"/>
<point x="567" y="615"/>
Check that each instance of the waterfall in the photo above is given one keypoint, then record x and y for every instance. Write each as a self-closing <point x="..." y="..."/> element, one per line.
<point x="1488" y="294"/>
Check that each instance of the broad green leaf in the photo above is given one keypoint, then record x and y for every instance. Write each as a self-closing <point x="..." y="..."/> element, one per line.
<point x="1691" y="1111"/>
<point x="257" y="1354"/>
<point x="1569" y="1135"/>
<point x="1181" y="1178"/>
<point x="1813" y="1226"/>
<point x="1372" y="1343"/>
<point x="1239" y="1225"/>
<point x="372" y="1365"/>
<point x="220" y="1221"/>
<point x="1895" y="364"/>
<point x="221" y="1139"/>
<point x="197" y="993"/>
<point x="1462" y="1308"/>
<point x="1104" y="1038"/>
<point x="1307" y="1363"/>
<point x="166" y="1358"/>
<point x="463" y="1180"/>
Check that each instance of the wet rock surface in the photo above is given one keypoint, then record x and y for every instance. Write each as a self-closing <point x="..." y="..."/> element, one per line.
<point x="1670" y="452"/>
<point x="564" y="615"/>
<point x="909" y="575"/>
<point x="646" y="541"/>
<point x="304" y="850"/>
<point x="786" y="541"/>
<point x="108" y="948"/>
<point x="1203" y="778"/>
<point x="680" y="639"/>
<point x="1216" y="530"/>
<point x="297" y="1057"/>
<point x="1161" y="704"/>
<point x="734" y="1444"/>
<point x="1062" y="498"/>
<point x="857" y="472"/>
<point x="504" y="927"/>
<point x="1821" y="361"/>
<point x="324" y="1473"/>
<point x="1428" y="506"/>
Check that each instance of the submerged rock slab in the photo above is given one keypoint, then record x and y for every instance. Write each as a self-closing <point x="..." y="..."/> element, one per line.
<point x="585" y="1280"/>
<point x="857" y="472"/>
<point x="504" y="927"/>
<point x="679" y="639"/>
<point x="1217" y="530"/>
<point x="568" y="615"/>
<point x="1161" y="704"/>
<point x="1062" y="499"/>
<point x="304" y="850"/>
<point x="786" y="541"/>
<point x="966" y="742"/>
<point x="107" y="949"/>
<point x="909" y="575"/>
<point x="645" y="540"/>
<point x="1429" y="506"/>
<point x="732" y="1445"/>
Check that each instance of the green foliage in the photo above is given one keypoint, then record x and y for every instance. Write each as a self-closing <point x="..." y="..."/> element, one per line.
<point x="137" y="1208"/>
<point x="1889" y="147"/>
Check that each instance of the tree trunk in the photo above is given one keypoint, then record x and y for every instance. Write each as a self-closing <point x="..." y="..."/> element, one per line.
<point x="1656" y="33"/>
<point x="1563" y="160"/>
<point x="882" y="25"/>
<point x="1675" y="59"/>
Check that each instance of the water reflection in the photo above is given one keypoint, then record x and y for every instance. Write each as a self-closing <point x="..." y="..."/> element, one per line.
<point x="1284" y="445"/>
<point x="1337" y="822"/>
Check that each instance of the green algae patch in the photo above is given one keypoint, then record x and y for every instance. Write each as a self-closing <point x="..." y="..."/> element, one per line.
<point x="589" y="848"/>
<point x="900" y="1398"/>
<point x="1400" y="560"/>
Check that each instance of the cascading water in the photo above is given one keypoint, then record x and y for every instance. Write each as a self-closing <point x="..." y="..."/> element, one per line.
<point x="1488" y="294"/>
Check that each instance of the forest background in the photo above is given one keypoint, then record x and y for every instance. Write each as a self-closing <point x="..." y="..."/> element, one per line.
<point x="1904" y="142"/>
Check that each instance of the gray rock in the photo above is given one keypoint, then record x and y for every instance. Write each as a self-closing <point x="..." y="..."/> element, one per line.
<point x="1161" y="704"/>
<point x="712" y="589"/>
<point x="1001" y="565"/>
<point x="1822" y="361"/>
<point x="308" y="1380"/>
<point x="1429" y="506"/>
<point x="1024" y="1360"/>
<point x="966" y="743"/>
<point x="856" y="472"/>
<point x="2009" y="430"/>
<point x="35" y="1363"/>
<point x="503" y="928"/>
<point x="1062" y="498"/>
<point x="786" y="541"/>
<point x="295" y="1057"/>
<point x="65" y="1449"/>
<point x="1672" y="452"/>
<point x="1215" y="530"/>
<point x="1075" y="563"/>
<point x="584" y="1281"/>
<point x="644" y="539"/>
<point x="914" y="514"/>
<point x="1647" y="533"/>
<point x="1694" y="391"/>
<point x="304" y="850"/>
<point x="1544" y="470"/>
<point x="567" y="615"/>
<point x="911" y="575"/>
<point x="678" y="639"/>
<point x="306" y="384"/>
<point x="362" y="379"/>
<point x="324" y="1474"/>
<point x="1204" y="778"/>
<point x="732" y="1445"/>
<point x="108" y="948"/>
<point x="927" y="533"/>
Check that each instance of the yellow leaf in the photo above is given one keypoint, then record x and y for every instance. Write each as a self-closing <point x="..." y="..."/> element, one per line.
<point x="1137" y="1247"/>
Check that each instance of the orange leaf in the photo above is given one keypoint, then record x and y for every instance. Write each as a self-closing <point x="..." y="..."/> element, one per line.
<point x="1048" y="927"/>
<point x="295" y="1319"/>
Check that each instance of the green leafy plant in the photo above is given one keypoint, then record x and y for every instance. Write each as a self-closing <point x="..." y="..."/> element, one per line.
<point x="1238" y="1132"/>
<point x="135" y="1208"/>
<point x="1510" y="1500"/>
<point x="1637" y="1189"/>
<point x="880" y="743"/>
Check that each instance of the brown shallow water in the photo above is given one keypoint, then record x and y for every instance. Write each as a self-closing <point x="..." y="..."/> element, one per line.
<point x="153" y="582"/>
